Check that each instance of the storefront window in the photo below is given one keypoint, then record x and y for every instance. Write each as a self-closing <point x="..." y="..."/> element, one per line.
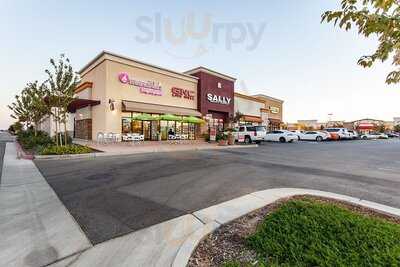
<point x="164" y="130"/>
<point x="171" y="128"/>
<point x="137" y="127"/>
<point x="126" y="125"/>
<point x="192" y="131"/>
<point x="156" y="130"/>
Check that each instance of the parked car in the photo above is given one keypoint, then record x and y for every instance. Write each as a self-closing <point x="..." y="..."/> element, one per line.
<point x="354" y="134"/>
<point x="339" y="133"/>
<point x="299" y="134"/>
<point x="252" y="134"/>
<point x="315" y="136"/>
<point x="282" y="136"/>
<point x="393" y="135"/>
<point x="374" y="136"/>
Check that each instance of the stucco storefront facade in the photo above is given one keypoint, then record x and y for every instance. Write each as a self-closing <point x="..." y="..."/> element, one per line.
<point x="121" y="84"/>
<point x="260" y="110"/>
<point x="115" y="91"/>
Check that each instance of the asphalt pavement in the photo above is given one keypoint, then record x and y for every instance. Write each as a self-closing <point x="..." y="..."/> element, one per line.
<point x="112" y="196"/>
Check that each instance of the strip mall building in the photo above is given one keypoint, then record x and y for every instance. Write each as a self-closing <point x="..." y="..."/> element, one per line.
<point x="115" y="89"/>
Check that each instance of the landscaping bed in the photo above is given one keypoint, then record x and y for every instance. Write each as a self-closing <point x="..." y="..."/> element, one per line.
<point x="40" y="143"/>
<point x="304" y="231"/>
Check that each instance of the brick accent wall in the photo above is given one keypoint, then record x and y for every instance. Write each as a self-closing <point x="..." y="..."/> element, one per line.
<point x="83" y="129"/>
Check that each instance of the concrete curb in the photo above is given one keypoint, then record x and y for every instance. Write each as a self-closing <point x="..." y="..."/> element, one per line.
<point x="186" y="250"/>
<point x="156" y="150"/>
<point x="21" y="154"/>
<point x="223" y="213"/>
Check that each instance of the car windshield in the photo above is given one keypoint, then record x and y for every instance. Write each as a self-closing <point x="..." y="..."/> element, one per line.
<point x="261" y="129"/>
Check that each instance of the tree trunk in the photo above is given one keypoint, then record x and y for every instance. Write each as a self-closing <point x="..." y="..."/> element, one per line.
<point x="65" y="133"/>
<point x="55" y="121"/>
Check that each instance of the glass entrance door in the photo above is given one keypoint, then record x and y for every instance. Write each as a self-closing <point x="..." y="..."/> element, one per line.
<point x="154" y="131"/>
<point x="146" y="130"/>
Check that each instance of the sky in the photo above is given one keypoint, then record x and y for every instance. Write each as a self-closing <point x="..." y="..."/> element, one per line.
<point x="275" y="47"/>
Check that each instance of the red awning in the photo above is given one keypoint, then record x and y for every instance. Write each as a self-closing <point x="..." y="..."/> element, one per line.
<point x="81" y="103"/>
<point x="275" y="121"/>
<point x="366" y="126"/>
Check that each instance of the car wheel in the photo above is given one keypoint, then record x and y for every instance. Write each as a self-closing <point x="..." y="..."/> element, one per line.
<point x="319" y="139"/>
<point x="365" y="138"/>
<point x="282" y="140"/>
<point x="247" y="140"/>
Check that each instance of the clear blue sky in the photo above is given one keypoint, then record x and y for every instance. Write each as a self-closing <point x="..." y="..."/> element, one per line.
<point x="310" y="66"/>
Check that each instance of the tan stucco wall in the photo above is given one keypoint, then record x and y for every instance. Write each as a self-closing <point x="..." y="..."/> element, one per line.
<point x="270" y="103"/>
<point x="106" y="85"/>
<point x="98" y="92"/>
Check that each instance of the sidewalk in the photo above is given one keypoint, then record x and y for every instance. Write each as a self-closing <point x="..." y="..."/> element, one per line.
<point x="126" y="148"/>
<point x="36" y="229"/>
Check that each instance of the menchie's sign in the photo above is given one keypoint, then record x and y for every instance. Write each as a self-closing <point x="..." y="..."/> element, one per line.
<point x="148" y="88"/>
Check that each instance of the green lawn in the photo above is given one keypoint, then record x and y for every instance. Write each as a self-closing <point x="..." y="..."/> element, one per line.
<point x="311" y="233"/>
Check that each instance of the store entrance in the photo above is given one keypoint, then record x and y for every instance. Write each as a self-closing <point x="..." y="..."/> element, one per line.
<point x="150" y="130"/>
<point x="146" y="130"/>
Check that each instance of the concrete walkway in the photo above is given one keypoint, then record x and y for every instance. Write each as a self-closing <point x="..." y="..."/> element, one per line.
<point x="35" y="227"/>
<point x="129" y="148"/>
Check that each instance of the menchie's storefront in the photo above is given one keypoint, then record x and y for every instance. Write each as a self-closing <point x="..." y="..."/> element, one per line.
<point x="126" y="96"/>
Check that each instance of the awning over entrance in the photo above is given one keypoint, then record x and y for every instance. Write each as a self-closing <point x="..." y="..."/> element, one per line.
<point x="132" y="106"/>
<point x="274" y="121"/>
<point x="366" y="126"/>
<point x="248" y="118"/>
<point x="81" y="103"/>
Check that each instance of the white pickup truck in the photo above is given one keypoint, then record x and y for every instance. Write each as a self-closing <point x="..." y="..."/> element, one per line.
<point x="251" y="134"/>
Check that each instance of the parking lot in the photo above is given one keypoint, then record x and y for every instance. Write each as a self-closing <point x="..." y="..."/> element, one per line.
<point x="111" y="196"/>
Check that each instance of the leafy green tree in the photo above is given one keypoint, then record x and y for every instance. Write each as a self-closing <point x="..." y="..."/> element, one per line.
<point x="381" y="128"/>
<point x="30" y="107"/>
<point x="373" y="17"/>
<point x="62" y="81"/>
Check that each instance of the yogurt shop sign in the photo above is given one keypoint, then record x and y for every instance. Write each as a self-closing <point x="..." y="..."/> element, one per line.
<point x="148" y="88"/>
<point x="217" y="99"/>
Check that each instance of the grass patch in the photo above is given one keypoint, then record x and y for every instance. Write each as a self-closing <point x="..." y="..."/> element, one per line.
<point x="311" y="233"/>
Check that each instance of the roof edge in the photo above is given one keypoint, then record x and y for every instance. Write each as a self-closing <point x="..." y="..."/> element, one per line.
<point x="204" y="69"/>
<point x="105" y="52"/>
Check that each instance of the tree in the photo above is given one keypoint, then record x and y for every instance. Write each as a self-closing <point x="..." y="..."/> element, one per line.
<point x="39" y="108"/>
<point x="62" y="81"/>
<point x="15" y="128"/>
<point x="397" y="128"/>
<point x="379" y="17"/>
<point x="30" y="106"/>
<point x="380" y="128"/>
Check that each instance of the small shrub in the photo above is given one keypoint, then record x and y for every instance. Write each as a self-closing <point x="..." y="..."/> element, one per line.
<point x="63" y="150"/>
<point x="29" y="140"/>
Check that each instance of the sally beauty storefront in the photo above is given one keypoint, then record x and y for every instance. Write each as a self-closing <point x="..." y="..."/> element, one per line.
<point x="122" y="95"/>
